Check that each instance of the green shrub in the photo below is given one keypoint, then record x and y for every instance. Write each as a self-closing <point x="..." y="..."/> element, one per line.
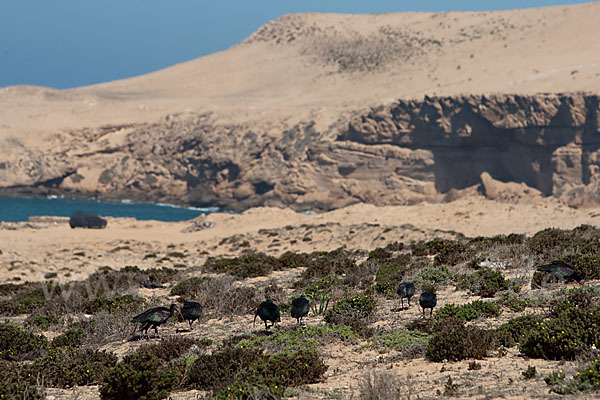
<point x="68" y="367"/>
<point x="220" y="369"/>
<point x="517" y="329"/>
<point x="431" y="278"/>
<point x="171" y="348"/>
<point x="513" y="301"/>
<point x="14" y="340"/>
<point x="469" y="311"/>
<point x="291" y="339"/>
<point x="569" y="331"/>
<point x="288" y="369"/>
<point x="452" y="340"/>
<point x="529" y="373"/>
<point x="354" y="311"/>
<point x="188" y="287"/>
<point x="446" y="252"/>
<point x="247" y="266"/>
<point x="589" y="377"/>
<point x="389" y="276"/>
<point x="402" y="340"/>
<point x="421" y="325"/>
<point x="16" y="382"/>
<point x="485" y="282"/>
<point x="337" y="263"/>
<point x="139" y="376"/>
<point x="71" y="338"/>
<point x="118" y="303"/>
<point x="41" y="321"/>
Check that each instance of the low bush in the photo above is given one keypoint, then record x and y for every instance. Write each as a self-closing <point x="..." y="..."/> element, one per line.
<point x="469" y="311"/>
<point x="485" y="282"/>
<point x="569" y="331"/>
<point x="71" y="338"/>
<point x="445" y="252"/>
<point x="16" y="382"/>
<point x="171" y="348"/>
<point x="112" y="304"/>
<point x="411" y="343"/>
<point x="139" y="376"/>
<point x="355" y="312"/>
<point x="15" y="340"/>
<point x="513" y="301"/>
<point x="246" y="266"/>
<point x="432" y="278"/>
<point x="517" y="329"/>
<point x="41" y="321"/>
<point x="452" y="340"/>
<point x="380" y="385"/>
<point x="189" y="288"/>
<point x="337" y="263"/>
<point x="68" y="367"/>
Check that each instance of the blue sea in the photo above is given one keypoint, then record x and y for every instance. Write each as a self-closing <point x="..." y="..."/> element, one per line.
<point x="13" y="209"/>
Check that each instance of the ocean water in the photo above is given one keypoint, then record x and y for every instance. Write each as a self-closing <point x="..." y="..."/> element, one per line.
<point x="13" y="209"/>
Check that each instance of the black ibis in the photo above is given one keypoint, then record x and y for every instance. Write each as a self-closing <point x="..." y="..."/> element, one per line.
<point x="428" y="300"/>
<point x="562" y="271"/>
<point x="154" y="317"/>
<point x="191" y="311"/>
<point x="268" y="311"/>
<point x="300" y="308"/>
<point x="406" y="290"/>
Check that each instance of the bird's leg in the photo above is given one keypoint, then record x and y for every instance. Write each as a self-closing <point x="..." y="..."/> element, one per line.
<point x="191" y="322"/>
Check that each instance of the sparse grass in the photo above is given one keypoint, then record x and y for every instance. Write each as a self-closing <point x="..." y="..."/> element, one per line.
<point x="409" y="343"/>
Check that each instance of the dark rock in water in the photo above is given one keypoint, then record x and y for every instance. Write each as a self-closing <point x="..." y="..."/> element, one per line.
<point x="82" y="219"/>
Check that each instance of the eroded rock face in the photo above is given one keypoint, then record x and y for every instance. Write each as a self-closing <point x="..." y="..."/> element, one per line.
<point x="404" y="152"/>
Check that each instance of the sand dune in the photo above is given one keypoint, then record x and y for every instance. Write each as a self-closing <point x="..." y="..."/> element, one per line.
<point x="320" y="66"/>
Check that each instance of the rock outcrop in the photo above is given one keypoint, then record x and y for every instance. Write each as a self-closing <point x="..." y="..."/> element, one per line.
<point x="408" y="151"/>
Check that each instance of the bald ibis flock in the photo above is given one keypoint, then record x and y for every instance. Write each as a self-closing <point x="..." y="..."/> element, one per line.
<point x="268" y="311"/>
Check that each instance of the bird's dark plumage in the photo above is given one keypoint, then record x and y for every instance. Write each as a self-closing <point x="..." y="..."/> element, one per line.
<point x="300" y="308"/>
<point x="561" y="270"/>
<point x="268" y="311"/>
<point x="191" y="311"/>
<point x="406" y="290"/>
<point x="149" y="284"/>
<point x="428" y="300"/>
<point x="155" y="317"/>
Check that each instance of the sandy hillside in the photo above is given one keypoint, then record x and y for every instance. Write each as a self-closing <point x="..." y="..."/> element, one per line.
<point x="319" y="66"/>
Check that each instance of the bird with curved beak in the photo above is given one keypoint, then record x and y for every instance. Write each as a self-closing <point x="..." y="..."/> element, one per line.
<point x="155" y="317"/>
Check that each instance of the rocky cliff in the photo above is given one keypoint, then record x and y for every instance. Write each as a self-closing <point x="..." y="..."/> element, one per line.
<point x="432" y="149"/>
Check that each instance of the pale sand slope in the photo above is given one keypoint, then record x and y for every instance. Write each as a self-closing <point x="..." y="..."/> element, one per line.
<point x="319" y="66"/>
<point x="30" y="253"/>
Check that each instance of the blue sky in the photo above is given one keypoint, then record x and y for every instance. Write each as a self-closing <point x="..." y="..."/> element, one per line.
<point x="69" y="43"/>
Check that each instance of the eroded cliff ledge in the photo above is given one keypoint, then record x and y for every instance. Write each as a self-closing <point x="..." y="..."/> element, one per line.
<point x="407" y="151"/>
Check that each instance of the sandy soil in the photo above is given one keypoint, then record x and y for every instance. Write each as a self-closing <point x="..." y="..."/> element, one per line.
<point x="30" y="250"/>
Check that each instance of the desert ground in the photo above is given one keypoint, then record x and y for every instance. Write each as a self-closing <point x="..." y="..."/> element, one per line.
<point x="30" y="251"/>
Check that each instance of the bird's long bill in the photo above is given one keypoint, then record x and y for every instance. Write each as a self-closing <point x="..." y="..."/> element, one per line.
<point x="182" y="319"/>
<point x="255" y="315"/>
